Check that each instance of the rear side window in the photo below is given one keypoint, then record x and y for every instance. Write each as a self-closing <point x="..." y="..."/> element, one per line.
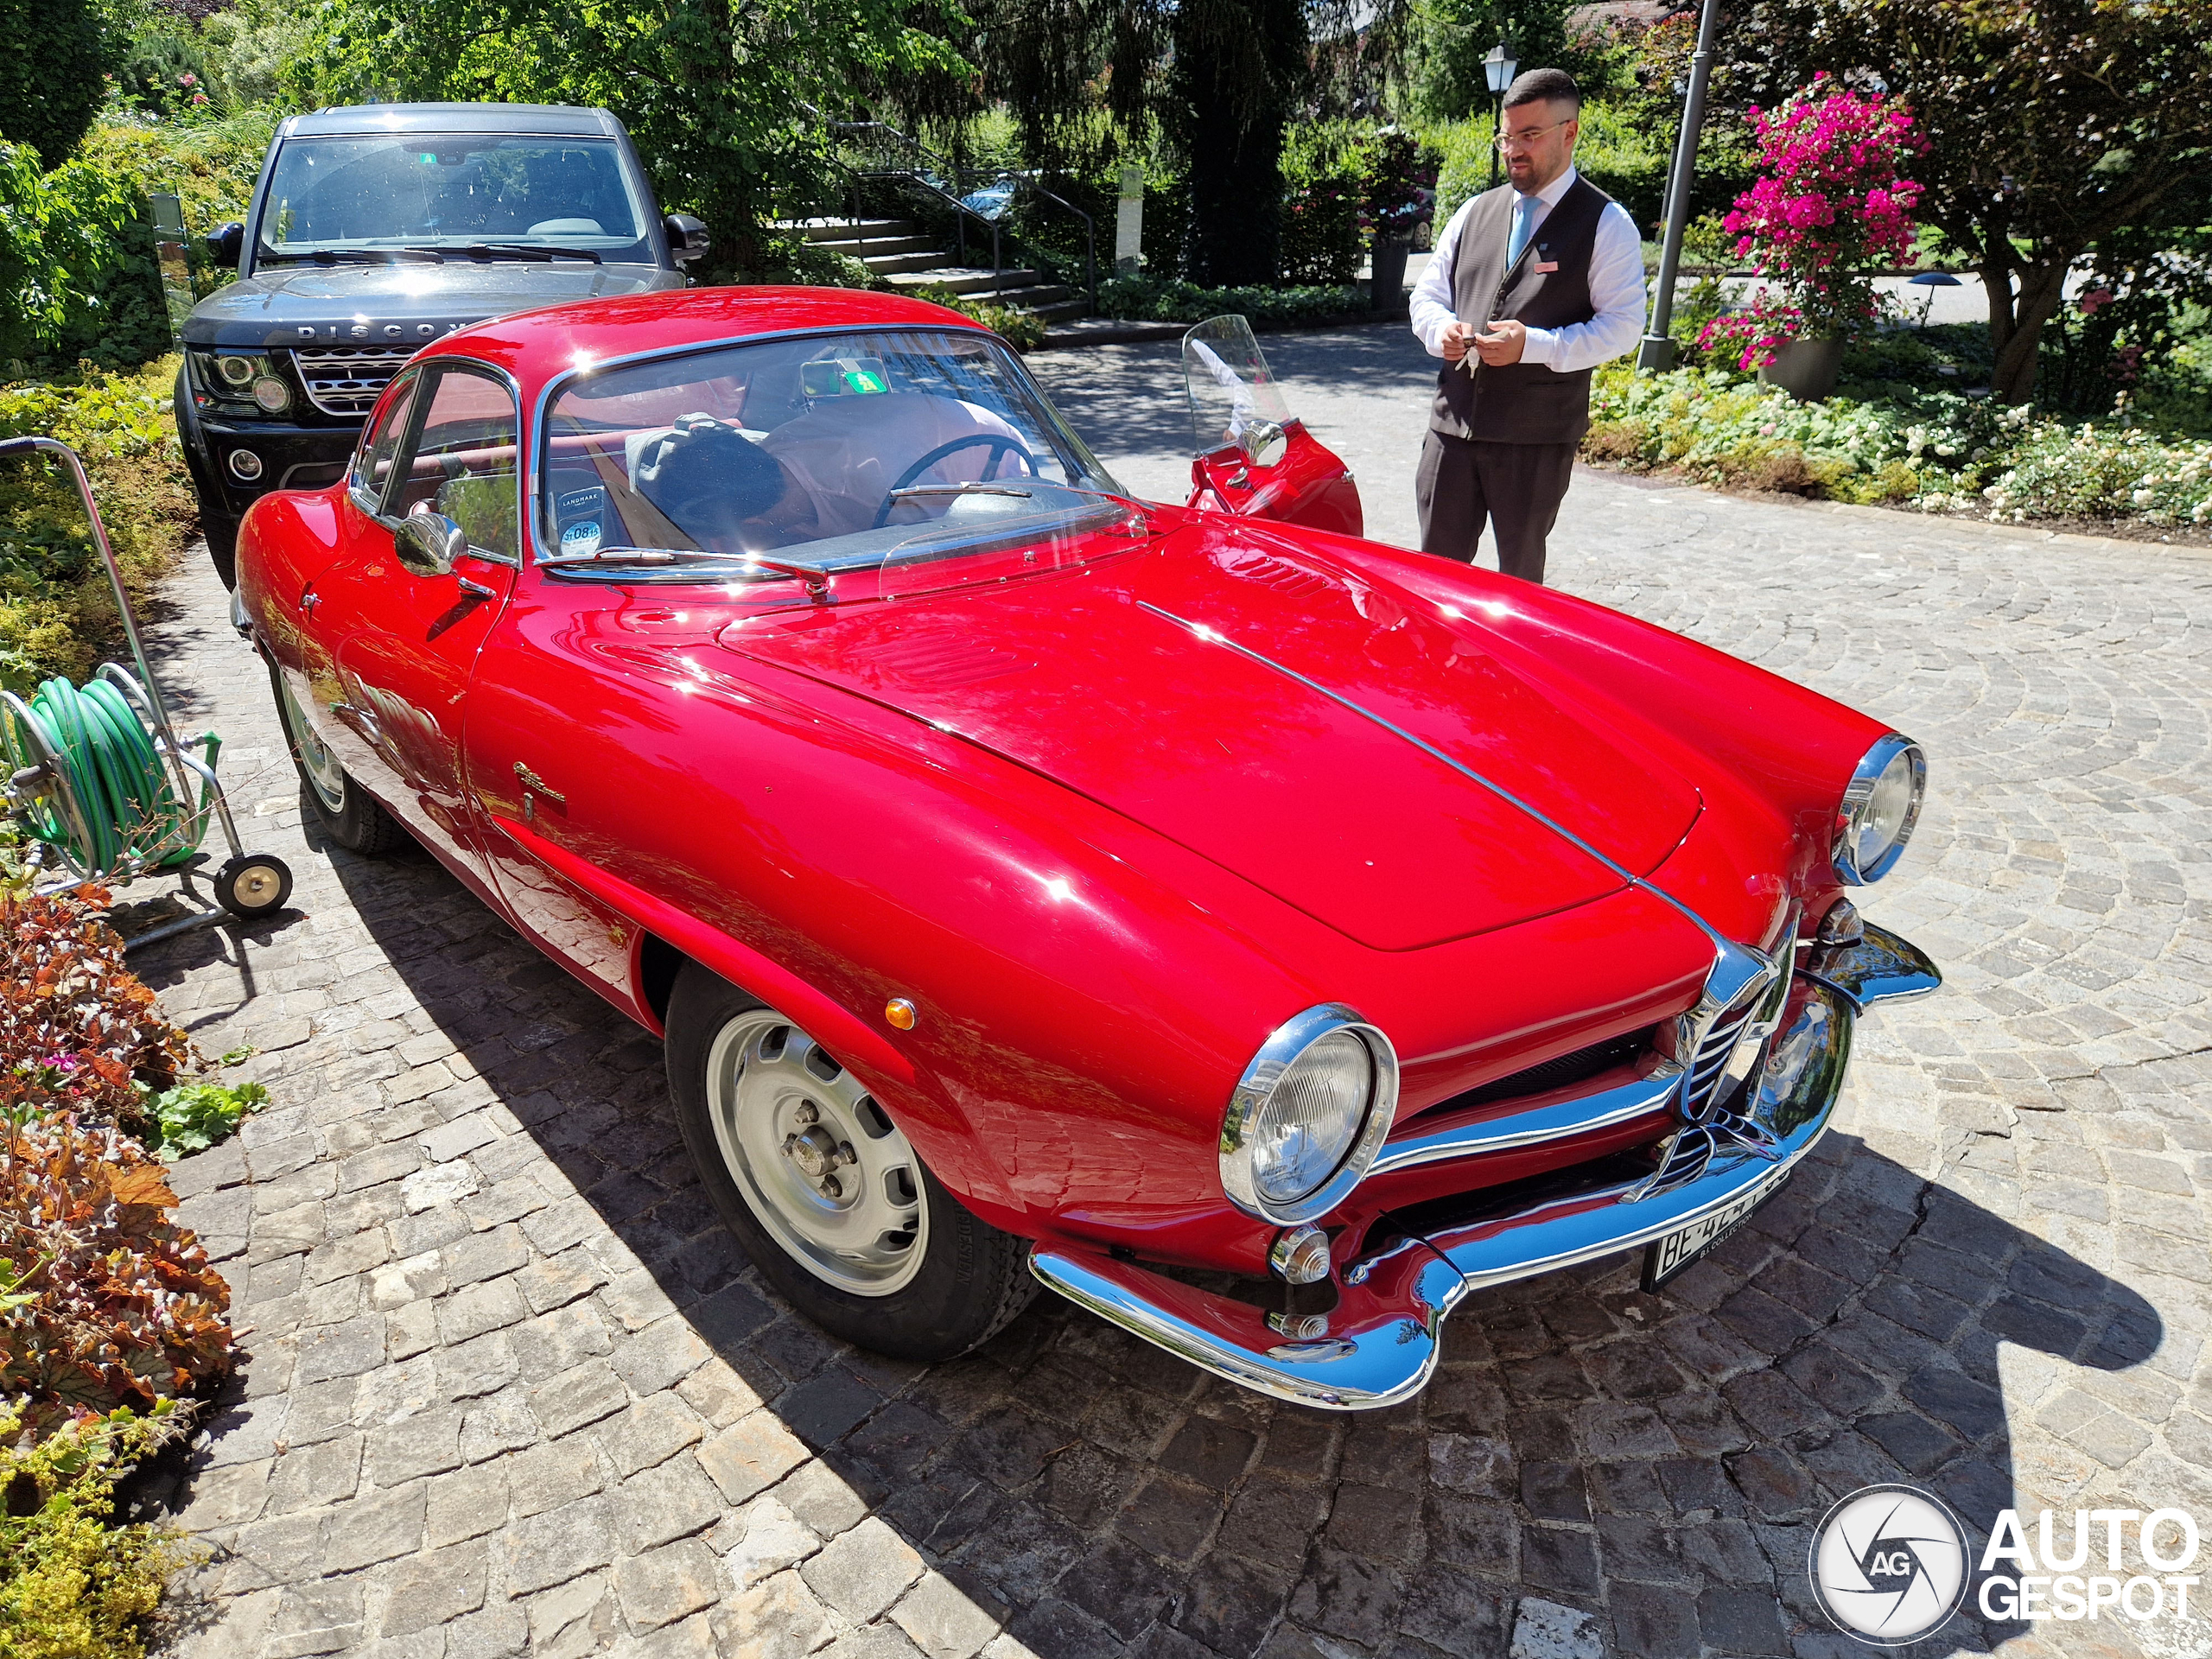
<point x="461" y="461"/>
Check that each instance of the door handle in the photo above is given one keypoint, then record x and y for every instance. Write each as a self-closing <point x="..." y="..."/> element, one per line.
<point x="476" y="591"/>
<point x="309" y="600"/>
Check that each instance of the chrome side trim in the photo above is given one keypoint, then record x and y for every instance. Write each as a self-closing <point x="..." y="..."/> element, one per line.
<point x="1385" y="1353"/>
<point x="1552" y="1122"/>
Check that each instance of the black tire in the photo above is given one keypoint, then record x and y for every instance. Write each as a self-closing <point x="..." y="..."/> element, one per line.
<point x="222" y="535"/>
<point x="972" y="1280"/>
<point x="253" y="885"/>
<point x="358" y="823"/>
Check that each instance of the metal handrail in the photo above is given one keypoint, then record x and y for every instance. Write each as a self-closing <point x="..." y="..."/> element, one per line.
<point x="959" y="175"/>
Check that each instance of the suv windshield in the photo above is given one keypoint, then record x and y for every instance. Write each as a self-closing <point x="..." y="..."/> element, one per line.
<point x="425" y="190"/>
<point x="833" y="452"/>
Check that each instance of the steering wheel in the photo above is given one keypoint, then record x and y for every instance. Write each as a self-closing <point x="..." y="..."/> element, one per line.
<point x="997" y="443"/>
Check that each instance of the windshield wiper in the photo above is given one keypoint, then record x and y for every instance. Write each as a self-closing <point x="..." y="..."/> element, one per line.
<point x="913" y="490"/>
<point x="351" y="257"/>
<point x="816" y="580"/>
<point x="518" y="250"/>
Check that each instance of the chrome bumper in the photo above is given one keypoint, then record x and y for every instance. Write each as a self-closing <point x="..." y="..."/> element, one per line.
<point x="1382" y="1343"/>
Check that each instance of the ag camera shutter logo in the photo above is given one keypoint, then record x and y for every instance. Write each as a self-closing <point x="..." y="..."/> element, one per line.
<point x="1889" y="1565"/>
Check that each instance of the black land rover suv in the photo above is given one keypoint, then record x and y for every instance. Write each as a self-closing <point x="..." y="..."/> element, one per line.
<point x="375" y="230"/>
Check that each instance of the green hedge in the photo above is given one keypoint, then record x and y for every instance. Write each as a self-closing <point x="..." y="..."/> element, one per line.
<point x="1147" y="299"/>
<point x="1890" y="442"/>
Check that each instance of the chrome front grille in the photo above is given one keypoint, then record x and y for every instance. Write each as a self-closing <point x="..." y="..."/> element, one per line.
<point x="1720" y="1039"/>
<point x="347" y="380"/>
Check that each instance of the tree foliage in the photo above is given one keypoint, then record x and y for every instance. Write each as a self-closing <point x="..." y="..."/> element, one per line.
<point x="1239" y="67"/>
<point x="52" y="72"/>
<point x="730" y="101"/>
<point x="2053" y="124"/>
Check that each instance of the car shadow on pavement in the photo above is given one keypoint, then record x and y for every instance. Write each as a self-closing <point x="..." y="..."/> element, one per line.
<point x="1658" y="1462"/>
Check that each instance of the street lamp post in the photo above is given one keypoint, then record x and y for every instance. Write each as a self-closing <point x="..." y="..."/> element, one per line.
<point x="1497" y="69"/>
<point x="1657" y="352"/>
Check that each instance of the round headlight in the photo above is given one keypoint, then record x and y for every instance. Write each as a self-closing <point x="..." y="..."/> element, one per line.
<point x="272" y="394"/>
<point x="236" y="372"/>
<point x="1308" y="1116"/>
<point x="1880" y="805"/>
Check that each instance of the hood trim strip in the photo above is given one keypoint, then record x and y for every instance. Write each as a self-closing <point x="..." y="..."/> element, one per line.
<point x="1721" y="943"/>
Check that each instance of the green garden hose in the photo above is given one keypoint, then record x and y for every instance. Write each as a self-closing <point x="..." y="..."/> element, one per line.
<point x="127" y="807"/>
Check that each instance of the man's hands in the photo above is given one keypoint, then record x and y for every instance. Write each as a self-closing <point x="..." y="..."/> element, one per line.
<point x="1504" y="344"/>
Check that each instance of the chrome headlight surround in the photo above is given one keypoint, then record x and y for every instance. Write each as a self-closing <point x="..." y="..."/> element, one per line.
<point x="1278" y="1056"/>
<point x="1852" y="814"/>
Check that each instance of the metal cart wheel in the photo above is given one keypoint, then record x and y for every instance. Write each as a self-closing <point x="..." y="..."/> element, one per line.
<point x="253" y="884"/>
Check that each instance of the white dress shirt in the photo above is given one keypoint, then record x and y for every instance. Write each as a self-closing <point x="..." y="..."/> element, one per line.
<point x="1616" y="289"/>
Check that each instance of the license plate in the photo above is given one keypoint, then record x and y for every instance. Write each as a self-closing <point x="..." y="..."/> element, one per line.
<point x="1665" y="1257"/>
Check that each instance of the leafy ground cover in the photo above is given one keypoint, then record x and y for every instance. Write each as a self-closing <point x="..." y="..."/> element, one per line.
<point x="111" y="1318"/>
<point x="1900" y="444"/>
<point x="57" y="612"/>
<point x="1149" y="299"/>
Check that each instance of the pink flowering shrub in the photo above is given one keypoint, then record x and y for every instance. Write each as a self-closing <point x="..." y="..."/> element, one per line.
<point x="1831" y="205"/>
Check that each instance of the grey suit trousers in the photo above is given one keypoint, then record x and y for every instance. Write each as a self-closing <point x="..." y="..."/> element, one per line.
<point x="1516" y="486"/>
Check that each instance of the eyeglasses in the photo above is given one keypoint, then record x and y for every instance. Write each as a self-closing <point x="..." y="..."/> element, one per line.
<point x="1527" y="137"/>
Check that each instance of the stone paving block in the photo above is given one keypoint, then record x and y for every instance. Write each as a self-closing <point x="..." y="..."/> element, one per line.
<point x="486" y="1255"/>
<point x="649" y="1433"/>
<point x="347" y="1349"/>
<point x="863" y="1572"/>
<point x="664" y="1585"/>
<point x="434" y="1587"/>
<point x="375" y="1526"/>
<point x="499" y="1631"/>
<point x="310" y="1477"/>
<point x="549" y="1282"/>
<point x="552" y="1547"/>
<point x="425" y="1443"/>
<point x="324" y="1616"/>
<point x="575" y="1397"/>
<point x="660" y="1357"/>
<point x="942" y="1621"/>
<point x="573" y="1618"/>
<point x="751" y="1455"/>
<point x="667" y="1502"/>
<point x="558" y="1341"/>
<point x="397" y="1283"/>
<point x="479" y="1365"/>
<point x="474" y="1309"/>
<point x="466" y="1503"/>
<point x="761" y="1539"/>
<point x="546" y="1477"/>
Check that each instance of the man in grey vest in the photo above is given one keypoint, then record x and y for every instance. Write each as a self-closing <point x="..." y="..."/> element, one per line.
<point x="1532" y="285"/>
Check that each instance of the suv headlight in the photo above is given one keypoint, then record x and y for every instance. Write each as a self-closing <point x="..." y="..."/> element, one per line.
<point x="1880" y="805"/>
<point x="242" y="378"/>
<point x="1308" y="1116"/>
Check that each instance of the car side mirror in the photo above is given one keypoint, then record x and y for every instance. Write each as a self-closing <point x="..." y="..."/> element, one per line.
<point x="1263" y="443"/>
<point x="429" y="543"/>
<point x="225" y="244"/>
<point x="687" y="238"/>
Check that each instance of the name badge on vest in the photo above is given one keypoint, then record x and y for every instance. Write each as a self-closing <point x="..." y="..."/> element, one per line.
<point x="1544" y="267"/>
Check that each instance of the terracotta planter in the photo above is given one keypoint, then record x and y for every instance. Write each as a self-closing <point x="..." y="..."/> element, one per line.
<point x="1806" y="369"/>
<point x="1386" y="288"/>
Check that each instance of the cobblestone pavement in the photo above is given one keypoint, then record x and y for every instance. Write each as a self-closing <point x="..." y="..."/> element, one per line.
<point x="510" y="1390"/>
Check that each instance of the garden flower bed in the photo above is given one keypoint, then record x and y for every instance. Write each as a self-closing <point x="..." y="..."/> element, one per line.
<point x="1933" y="451"/>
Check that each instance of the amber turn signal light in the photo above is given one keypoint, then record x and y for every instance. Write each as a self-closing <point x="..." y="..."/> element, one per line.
<point x="900" y="1013"/>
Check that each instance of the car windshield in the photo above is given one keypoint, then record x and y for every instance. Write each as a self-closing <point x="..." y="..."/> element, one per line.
<point x="838" y="453"/>
<point x="509" y="195"/>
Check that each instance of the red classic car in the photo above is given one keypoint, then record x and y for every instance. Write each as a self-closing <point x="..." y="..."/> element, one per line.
<point x="1263" y="937"/>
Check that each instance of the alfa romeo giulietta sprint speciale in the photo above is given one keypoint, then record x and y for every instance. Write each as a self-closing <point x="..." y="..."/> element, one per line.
<point x="1263" y="936"/>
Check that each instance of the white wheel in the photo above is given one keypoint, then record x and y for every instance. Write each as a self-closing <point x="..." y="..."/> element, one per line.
<point x="821" y="1166"/>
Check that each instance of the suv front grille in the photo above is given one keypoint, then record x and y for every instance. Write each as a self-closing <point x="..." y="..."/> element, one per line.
<point x="347" y="380"/>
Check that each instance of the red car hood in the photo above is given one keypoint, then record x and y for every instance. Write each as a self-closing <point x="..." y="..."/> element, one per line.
<point x="1103" y="681"/>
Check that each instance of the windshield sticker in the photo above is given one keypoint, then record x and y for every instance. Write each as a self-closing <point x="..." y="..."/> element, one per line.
<point x="580" y="540"/>
<point x="588" y="502"/>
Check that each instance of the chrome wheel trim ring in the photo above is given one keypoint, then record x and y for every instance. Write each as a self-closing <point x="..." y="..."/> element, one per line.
<point x="324" y="775"/>
<point x="764" y="1075"/>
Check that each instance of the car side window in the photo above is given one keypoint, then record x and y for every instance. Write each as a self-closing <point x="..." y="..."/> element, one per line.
<point x="461" y="462"/>
<point x="373" y="461"/>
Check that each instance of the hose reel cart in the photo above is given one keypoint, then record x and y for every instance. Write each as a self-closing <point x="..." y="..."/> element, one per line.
<point x="99" y="777"/>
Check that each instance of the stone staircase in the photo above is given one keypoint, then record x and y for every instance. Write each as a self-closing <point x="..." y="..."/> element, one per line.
<point x="905" y="256"/>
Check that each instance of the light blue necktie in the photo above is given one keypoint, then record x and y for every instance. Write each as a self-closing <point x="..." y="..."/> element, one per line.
<point x="1524" y="223"/>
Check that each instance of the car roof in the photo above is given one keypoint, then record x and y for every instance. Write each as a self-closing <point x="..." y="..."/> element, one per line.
<point x="535" y="346"/>
<point x="360" y="120"/>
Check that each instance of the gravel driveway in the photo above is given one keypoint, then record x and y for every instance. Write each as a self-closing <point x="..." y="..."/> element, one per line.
<point x="511" y="1390"/>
